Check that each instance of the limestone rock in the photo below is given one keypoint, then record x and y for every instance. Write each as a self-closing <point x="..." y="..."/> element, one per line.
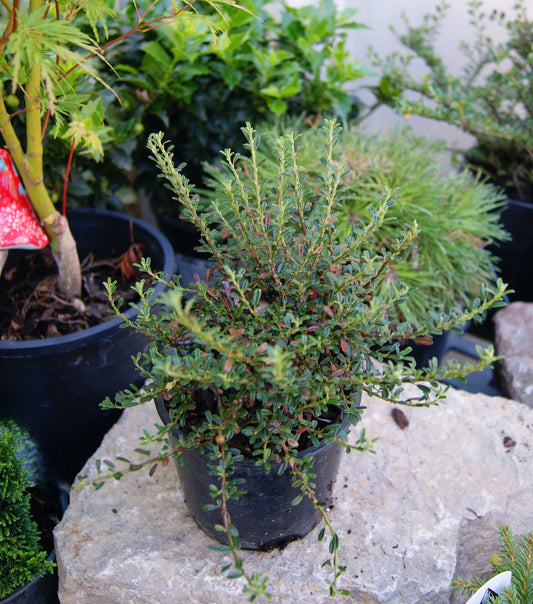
<point x="514" y="340"/>
<point x="427" y="503"/>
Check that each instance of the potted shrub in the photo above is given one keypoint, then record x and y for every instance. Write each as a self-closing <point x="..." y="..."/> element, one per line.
<point x="48" y="73"/>
<point x="488" y="99"/>
<point x="26" y="560"/>
<point x="258" y="370"/>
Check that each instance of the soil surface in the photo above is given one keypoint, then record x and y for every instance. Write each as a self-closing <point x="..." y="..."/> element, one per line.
<point x="32" y="308"/>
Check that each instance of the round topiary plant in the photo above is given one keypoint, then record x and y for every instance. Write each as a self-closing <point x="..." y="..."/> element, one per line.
<point x="21" y="554"/>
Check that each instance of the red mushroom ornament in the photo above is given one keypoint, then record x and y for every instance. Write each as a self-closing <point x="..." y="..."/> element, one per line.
<point x="19" y="226"/>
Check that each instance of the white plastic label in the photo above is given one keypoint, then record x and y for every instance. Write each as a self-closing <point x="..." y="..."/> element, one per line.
<point x="491" y="589"/>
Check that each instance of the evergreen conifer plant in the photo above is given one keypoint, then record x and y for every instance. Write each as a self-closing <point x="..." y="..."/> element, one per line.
<point x="515" y="555"/>
<point x="21" y="555"/>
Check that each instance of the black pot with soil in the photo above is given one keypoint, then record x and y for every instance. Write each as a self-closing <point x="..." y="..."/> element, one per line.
<point x="264" y="516"/>
<point x="53" y="386"/>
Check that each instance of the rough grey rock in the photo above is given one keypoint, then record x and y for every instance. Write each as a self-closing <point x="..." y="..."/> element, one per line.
<point x="514" y="340"/>
<point x="426" y="504"/>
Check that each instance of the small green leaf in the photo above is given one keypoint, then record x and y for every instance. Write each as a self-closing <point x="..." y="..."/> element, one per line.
<point x="297" y="500"/>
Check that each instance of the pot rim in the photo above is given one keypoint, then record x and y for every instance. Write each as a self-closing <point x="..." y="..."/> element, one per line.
<point x="73" y="340"/>
<point x="246" y="461"/>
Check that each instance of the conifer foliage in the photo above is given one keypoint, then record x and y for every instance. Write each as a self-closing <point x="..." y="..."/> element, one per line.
<point x="515" y="555"/>
<point x="21" y="555"/>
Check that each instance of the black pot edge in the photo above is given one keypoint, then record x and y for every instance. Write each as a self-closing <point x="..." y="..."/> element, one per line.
<point x="70" y="341"/>
<point x="14" y="596"/>
<point x="165" y="418"/>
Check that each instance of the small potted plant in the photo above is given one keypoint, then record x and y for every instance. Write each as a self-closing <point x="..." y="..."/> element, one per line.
<point x="25" y="562"/>
<point x="488" y="99"/>
<point x="257" y="371"/>
<point x="58" y="362"/>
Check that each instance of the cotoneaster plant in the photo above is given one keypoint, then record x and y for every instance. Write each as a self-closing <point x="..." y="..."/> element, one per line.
<point x="284" y="332"/>
<point x="489" y="97"/>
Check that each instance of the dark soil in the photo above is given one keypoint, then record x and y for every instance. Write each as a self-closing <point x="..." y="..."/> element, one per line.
<point x="31" y="307"/>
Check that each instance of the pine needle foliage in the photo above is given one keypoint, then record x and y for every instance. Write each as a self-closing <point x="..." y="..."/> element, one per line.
<point x="515" y="556"/>
<point x="284" y="327"/>
<point x="21" y="555"/>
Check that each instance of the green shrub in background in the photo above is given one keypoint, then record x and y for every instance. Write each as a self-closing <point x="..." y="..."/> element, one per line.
<point x="457" y="215"/>
<point x="200" y="88"/>
<point x="21" y="556"/>
<point x="200" y="79"/>
<point x="490" y="98"/>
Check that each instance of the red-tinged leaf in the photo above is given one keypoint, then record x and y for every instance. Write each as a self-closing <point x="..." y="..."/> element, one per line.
<point x="318" y="249"/>
<point x="313" y="327"/>
<point x="344" y="346"/>
<point x="300" y="250"/>
<point x="228" y="364"/>
<point x="211" y="292"/>
<point x="424" y="340"/>
<point x="262" y="347"/>
<point x="164" y="461"/>
<point x="337" y="373"/>
<point x="328" y="311"/>
<point x="235" y="333"/>
<point x="152" y="470"/>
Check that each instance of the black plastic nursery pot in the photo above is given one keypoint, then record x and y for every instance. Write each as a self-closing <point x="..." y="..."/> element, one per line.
<point x="53" y="387"/>
<point x="516" y="255"/>
<point x="263" y="516"/>
<point x="515" y="258"/>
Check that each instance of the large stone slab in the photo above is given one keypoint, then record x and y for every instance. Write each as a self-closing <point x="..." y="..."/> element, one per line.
<point x="514" y="340"/>
<point x="427" y="503"/>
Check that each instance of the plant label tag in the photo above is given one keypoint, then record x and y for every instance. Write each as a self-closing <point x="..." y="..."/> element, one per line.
<point x="488" y="592"/>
